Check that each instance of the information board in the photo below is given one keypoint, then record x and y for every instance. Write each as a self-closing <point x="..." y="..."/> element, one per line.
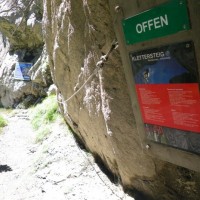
<point x="167" y="85"/>
<point x="165" y="19"/>
<point x="21" y="71"/>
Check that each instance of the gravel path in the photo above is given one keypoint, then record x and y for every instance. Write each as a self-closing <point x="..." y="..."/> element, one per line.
<point x="57" y="169"/>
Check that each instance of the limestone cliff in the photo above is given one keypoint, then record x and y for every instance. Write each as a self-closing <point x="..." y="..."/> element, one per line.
<point x="77" y="34"/>
<point x="21" y="40"/>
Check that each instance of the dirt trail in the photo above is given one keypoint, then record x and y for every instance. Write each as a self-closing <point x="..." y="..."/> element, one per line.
<point x="55" y="170"/>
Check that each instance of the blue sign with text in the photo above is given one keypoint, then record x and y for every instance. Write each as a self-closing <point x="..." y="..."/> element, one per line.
<point x="21" y="71"/>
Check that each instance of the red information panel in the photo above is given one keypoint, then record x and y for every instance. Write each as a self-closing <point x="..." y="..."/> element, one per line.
<point x="167" y="85"/>
<point x="171" y="105"/>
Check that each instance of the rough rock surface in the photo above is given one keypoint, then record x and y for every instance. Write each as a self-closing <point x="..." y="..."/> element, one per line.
<point x="21" y="40"/>
<point x="20" y="22"/>
<point x="77" y="34"/>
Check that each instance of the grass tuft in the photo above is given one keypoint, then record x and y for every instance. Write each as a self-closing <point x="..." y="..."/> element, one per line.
<point x="42" y="134"/>
<point x="43" y="115"/>
<point x="3" y="122"/>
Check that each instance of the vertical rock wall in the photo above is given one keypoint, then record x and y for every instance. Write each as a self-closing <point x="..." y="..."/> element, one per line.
<point x="21" y="40"/>
<point x="77" y="34"/>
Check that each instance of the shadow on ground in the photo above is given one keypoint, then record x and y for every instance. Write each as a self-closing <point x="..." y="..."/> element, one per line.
<point x="5" y="168"/>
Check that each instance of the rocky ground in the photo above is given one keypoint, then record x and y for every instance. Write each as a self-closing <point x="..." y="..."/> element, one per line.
<point x="56" y="169"/>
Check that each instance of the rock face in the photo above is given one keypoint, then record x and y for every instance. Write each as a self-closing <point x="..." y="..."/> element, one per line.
<point x="77" y="34"/>
<point x="21" y="40"/>
<point x="20" y="22"/>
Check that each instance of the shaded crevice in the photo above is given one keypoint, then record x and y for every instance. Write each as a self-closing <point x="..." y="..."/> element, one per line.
<point x="112" y="177"/>
<point x="136" y="194"/>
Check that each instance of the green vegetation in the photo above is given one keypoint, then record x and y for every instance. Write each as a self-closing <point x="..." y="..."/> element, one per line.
<point x="42" y="133"/>
<point x="43" y="115"/>
<point x="3" y="122"/>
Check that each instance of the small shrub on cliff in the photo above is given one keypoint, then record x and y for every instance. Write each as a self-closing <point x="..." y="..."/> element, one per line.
<point x="43" y="115"/>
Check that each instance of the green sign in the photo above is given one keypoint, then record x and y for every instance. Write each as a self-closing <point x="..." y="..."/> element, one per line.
<point x="163" y="20"/>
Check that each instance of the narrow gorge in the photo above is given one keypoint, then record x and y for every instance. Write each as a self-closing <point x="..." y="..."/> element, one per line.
<point x="70" y="44"/>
